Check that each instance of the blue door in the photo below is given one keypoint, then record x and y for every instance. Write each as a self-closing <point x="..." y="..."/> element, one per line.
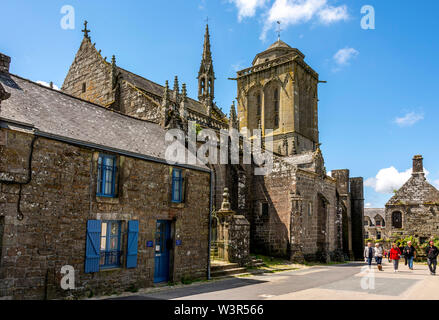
<point x="162" y="247"/>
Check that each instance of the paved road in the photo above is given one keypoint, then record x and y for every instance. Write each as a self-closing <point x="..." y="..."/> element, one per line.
<point x="338" y="282"/>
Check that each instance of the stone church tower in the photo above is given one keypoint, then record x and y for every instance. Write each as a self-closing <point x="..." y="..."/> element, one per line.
<point x="279" y="92"/>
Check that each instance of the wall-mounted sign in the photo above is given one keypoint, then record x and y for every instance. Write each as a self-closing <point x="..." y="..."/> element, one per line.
<point x="178" y="242"/>
<point x="149" y="244"/>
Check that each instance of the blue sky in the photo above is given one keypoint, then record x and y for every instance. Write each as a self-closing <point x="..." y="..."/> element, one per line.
<point x="378" y="108"/>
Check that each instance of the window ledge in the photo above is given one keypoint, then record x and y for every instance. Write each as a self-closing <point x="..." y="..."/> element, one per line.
<point x="178" y="205"/>
<point x="100" y="199"/>
<point x="110" y="269"/>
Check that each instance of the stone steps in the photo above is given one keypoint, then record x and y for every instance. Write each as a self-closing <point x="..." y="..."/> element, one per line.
<point x="228" y="272"/>
<point x="223" y="269"/>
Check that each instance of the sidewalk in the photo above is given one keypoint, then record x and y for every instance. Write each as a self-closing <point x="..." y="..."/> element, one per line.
<point x="406" y="284"/>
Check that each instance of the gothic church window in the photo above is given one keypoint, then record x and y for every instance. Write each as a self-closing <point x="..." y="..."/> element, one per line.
<point x="397" y="219"/>
<point x="258" y="105"/>
<point x="276" y="108"/>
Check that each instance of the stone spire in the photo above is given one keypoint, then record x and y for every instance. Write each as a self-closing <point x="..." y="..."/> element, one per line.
<point x="183" y="106"/>
<point x="176" y="92"/>
<point x="165" y="100"/>
<point x="233" y="118"/>
<point x="113" y="71"/>
<point x="166" y="107"/>
<point x="183" y="92"/>
<point x="207" y="55"/>
<point x="206" y="75"/>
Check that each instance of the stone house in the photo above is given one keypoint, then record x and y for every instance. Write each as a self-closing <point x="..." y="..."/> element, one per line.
<point x="414" y="209"/>
<point x="86" y="186"/>
<point x="374" y="223"/>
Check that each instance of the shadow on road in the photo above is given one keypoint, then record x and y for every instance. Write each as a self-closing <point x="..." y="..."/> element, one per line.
<point x="174" y="293"/>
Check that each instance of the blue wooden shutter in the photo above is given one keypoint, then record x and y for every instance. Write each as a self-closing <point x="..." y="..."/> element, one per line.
<point x="92" y="251"/>
<point x="133" y="236"/>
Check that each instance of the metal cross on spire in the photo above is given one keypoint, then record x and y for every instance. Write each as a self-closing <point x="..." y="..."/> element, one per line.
<point x="278" y="30"/>
<point x="86" y="31"/>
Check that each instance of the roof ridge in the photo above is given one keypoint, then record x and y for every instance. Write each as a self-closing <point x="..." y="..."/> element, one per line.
<point x="83" y="100"/>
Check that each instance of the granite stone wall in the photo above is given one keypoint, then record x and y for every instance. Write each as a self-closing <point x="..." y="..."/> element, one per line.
<point x="59" y="199"/>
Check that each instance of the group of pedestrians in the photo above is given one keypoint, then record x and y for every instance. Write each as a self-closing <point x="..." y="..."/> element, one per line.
<point x="395" y="254"/>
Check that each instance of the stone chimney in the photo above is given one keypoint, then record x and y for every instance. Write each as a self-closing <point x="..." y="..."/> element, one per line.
<point x="418" y="167"/>
<point x="5" y="61"/>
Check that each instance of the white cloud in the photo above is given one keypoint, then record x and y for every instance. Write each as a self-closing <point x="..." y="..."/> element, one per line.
<point x="368" y="205"/>
<point x="409" y="119"/>
<point x="389" y="179"/>
<point x="333" y="14"/>
<point x="46" y="84"/>
<point x="237" y="66"/>
<point x="291" y="12"/>
<point x="247" y="8"/>
<point x="343" y="56"/>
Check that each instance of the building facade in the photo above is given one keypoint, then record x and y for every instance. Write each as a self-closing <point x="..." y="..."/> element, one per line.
<point x="84" y="171"/>
<point x="374" y="223"/>
<point x="413" y="210"/>
<point x="88" y="187"/>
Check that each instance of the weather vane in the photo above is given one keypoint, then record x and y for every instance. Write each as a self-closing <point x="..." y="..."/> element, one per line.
<point x="278" y="30"/>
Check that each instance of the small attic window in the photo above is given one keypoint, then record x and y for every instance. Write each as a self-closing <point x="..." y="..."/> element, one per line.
<point x="84" y="87"/>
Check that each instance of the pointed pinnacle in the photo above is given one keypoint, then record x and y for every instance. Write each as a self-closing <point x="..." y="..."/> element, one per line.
<point x="184" y="90"/>
<point x="176" y="86"/>
<point x="113" y="60"/>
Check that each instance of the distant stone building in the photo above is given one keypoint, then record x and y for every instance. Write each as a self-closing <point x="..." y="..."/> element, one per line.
<point x="414" y="209"/>
<point x="374" y="223"/>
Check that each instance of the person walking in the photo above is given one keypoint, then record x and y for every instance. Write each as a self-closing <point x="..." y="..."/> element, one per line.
<point x="378" y="253"/>
<point x="395" y="255"/>
<point x="432" y="253"/>
<point x="368" y="254"/>
<point x="410" y="254"/>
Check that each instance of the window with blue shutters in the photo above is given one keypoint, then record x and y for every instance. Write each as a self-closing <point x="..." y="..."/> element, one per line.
<point x="107" y="174"/>
<point x="177" y="185"/>
<point x="110" y="244"/>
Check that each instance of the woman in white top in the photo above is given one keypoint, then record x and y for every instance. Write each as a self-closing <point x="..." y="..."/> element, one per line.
<point x="378" y="253"/>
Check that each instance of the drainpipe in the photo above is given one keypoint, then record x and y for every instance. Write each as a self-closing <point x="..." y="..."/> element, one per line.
<point x="210" y="224"/>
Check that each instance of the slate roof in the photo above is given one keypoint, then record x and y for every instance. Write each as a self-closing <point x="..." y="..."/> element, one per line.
<point x="156" y="89"/>
<point x="56" y="113"/>
<point x="279" y="44"/>
<point x="372" y="212"/>
<point x="416" y="190"/>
